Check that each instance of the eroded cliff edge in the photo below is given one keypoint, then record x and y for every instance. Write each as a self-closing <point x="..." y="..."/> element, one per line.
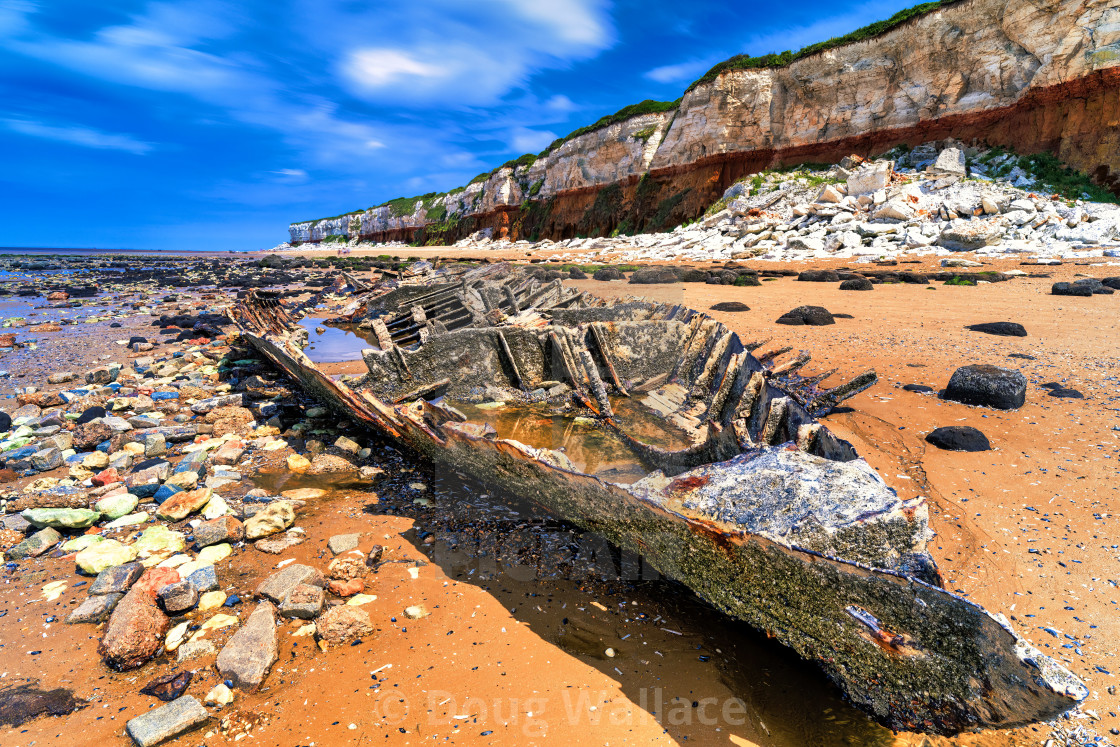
<point x="1032" y="75"/>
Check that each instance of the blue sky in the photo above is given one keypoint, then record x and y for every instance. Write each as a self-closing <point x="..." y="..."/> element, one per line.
<point x="203" y="124"/>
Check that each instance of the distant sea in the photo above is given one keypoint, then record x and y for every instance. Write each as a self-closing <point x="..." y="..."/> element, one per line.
<point x="95" y="250"/>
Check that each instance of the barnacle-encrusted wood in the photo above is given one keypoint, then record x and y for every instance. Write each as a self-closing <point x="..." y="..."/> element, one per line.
<point x="721" y="477"/>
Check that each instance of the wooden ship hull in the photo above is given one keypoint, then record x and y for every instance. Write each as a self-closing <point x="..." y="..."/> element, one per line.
<point x="723" y="480"/>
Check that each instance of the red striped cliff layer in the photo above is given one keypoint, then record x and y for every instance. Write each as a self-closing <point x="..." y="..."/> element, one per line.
<point x="1041" y="75"/>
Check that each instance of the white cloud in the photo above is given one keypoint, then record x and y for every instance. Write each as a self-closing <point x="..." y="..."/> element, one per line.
<point x="453" y="53"/>
<point x="374" y="68"/>
<point x="560" y="103"/>
<point x="680" y="73"/>
<point x="578" y="22"/>
<point x="291" y="174"/>
<point x="76" y="135"/>
<point x="524" y="140"/>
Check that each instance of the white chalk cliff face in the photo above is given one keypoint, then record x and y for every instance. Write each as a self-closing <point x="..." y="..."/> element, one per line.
<point x="1037" y="74"/>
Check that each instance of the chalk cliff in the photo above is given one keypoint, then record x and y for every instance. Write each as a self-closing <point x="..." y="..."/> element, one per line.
<point x="1032" y="75"/>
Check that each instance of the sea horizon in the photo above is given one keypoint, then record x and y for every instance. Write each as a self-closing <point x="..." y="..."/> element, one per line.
<point x="99" y="250"/>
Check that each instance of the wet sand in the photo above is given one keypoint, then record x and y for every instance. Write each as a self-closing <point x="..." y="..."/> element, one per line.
<point x="525" y="607"/>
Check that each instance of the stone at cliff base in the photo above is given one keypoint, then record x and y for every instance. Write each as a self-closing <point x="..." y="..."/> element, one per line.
<point x="61" y="518"/>
<point x="276" y="517"/>
<point x="163" y="723"/>
<point x="134" y="633"/>
<point x="36" y="544"/>
<point x="97" y="558"/>
<point x="950" y="162"/>
<point x="964" y="236"/>
<point x="252" y="650"/>
<point x="870" y="178"/>
<point x="343" y="623"/>
<point x="959" y="438"/>
<point x="988" y="386"/>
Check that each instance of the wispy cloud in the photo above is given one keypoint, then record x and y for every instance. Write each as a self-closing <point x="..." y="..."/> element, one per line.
<point x="156" y="51"/>
<point x="525" y="140"/>
<point x="75" y="135"/>
<point x="679" y="73"/>
<point x="454" y="53"/>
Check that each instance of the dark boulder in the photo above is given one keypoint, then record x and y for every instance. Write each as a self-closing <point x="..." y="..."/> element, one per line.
<point x="959" y="438"/>
<point x="577" y="274"/>
<point x="1002" y="329"/>
<point x="730" y="306"/>
<point x="818" y="276"/>
<point x="607" y="273"/>
<point x="1071" y="289"/>
<point x="694" y="276"/>
<point x="5" y="422"/>
<point x="654" y="276"/>
<point x="91" y="413"/>
<point x="920" y="388"/>
<point x="813" y="316"/>
<point x="1113" y="282"/>
<point x="857" y="284"/>
<point x="988" y="386"/>
<point x="747" y="279"/>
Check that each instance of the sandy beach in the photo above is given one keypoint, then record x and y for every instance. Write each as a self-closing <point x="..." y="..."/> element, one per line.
<point x="525" y="642"/>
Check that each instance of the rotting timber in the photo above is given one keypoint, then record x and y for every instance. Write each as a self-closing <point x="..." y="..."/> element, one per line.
<point x="728" y="484"/>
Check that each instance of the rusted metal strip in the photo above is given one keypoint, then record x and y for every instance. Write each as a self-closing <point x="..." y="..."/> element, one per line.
<point x="503" y="345"/>
<point x="597" y="335"/>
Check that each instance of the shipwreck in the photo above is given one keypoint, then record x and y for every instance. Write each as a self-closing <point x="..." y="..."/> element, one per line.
<point x="720" y="474"/>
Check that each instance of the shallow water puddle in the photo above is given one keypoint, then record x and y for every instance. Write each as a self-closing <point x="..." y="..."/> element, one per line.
<point x="593" y="449"/>
<point x="333" y="344"/>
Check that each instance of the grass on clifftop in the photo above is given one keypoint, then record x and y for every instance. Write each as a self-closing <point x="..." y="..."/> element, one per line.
<point x="747" y="62"/>
<point x="649" y="106"/>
